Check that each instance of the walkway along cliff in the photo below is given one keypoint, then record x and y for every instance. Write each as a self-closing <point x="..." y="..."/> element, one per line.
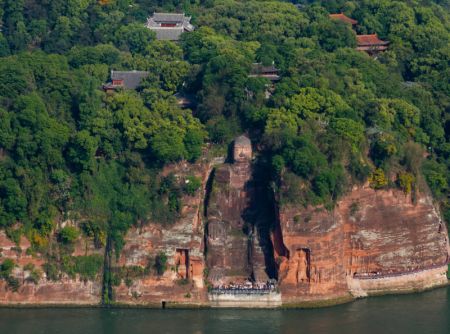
<point x="231" y="233"/>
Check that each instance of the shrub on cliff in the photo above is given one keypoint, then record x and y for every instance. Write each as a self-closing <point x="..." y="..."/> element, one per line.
<point x="51" y="271"/>
<point x="6" y="268"/>
<point x="191" y="185"/>
<point x="68" y="234"/>
<point x="86" y="266"/>
<point x="13" y="283"/>
<point x="160" y="263"/>
<point x="378" y="180"/>
<point x="406" y="182"/>
<point x="35" y="276"/>
<point x="436" y="176"/>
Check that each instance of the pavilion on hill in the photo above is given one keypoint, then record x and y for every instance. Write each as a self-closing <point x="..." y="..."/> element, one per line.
<point x="269" y="72"/>
<point x="125" y="80"/>
<point x="371" y="44"/>
<point x="344" y="18"/>
<point x="169" y="26"/>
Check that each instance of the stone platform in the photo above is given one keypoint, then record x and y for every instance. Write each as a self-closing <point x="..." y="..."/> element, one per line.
<point x="245" y="299"/>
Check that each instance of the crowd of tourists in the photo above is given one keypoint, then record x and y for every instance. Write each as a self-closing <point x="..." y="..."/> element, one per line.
<point x="247" y="287"/>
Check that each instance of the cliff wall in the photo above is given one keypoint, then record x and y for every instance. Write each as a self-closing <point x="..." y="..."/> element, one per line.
<point x="181" y="279"/>
<point x="227" y="240"/>
<point x="72" y="290"/>
<point x="232" y="230"/>
<point x="372" y="242"/>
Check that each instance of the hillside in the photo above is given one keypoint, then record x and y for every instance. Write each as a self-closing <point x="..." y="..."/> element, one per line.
<point x="81" y="166"/>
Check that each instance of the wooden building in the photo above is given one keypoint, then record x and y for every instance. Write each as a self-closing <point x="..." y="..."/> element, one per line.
<point x="125" y="80"/>
<point x="371" y="44"/>
<point x="261" y="71"/>
<point x="169" y="26"/>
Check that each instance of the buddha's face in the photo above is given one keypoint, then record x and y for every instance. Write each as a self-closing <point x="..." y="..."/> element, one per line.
<point x="240" y="153"/>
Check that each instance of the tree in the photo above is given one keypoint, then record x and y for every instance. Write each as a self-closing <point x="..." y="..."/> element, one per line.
<point x="68" y="234"/>
<point x="134" y="37"/>
<point x="436" y="177"/>
<point x="60" y="39"/>
<point x="167" y="146"/>
<point x="14" y="79"/>
<point x="311" y="102"/>
<point x="193" y="142"/>
<point x="348" y="129"/>
<point x="335" y="34"/>
<point x="4" y="46"/>
<point x="378" y="179"/>
<point x="13" y="203"/>
<point x="161" y="263"/>
<point x="82" y="150"/>
<point x="406" y="181"/>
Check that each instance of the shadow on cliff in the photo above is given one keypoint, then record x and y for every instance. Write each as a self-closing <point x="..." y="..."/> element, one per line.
<point x="260" y="216"/>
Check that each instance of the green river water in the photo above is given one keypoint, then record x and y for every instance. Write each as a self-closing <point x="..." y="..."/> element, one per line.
<point x="427" y="312"/>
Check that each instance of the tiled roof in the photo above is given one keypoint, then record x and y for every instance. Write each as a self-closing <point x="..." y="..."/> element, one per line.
<point x="168" y="17"/>
<point x="131" y="79"/>
<point x="270" y="72"/>
<point x="180" y="24"/>
<point x="344" y="18"/>
<point x="260" y="68"/>
<point x="369" y="40"/>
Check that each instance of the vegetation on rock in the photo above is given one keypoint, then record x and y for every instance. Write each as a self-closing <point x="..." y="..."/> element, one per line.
<point x="337" y="117"/>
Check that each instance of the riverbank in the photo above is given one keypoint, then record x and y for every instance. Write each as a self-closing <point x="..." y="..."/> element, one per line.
<point x="226" y="303"/>
<point x="406" y="314"/>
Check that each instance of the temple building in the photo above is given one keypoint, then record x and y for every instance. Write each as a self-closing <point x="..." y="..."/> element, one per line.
<point x="344" y="18"/>
<point x="371" y="44"/>
<point x="261" y="71"/>
<point x="169" y="26"/>
<point x="125" y="80"/>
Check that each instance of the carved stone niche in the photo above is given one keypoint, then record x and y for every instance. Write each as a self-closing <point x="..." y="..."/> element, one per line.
<point x="242" y="151"/>
<point x="302" y="260"/>
<point x="182" y="263"/>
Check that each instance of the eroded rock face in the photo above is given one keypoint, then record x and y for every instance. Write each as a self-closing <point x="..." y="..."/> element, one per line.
<point x="236" y="247"/>
<point x="231" y="251"/>
<point x="227" y="242"/>
<point x="312" y="253"/>
<point x="182" y="243"/>
<point x="71" y="291"/>
<point x="370" y="236"/>
<point x="232" y="230"/>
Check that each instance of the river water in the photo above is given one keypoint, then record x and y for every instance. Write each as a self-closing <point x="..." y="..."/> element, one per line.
<point x="426" y="313"/>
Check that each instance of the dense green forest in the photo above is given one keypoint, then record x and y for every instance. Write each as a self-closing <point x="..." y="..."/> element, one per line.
<point x="336" y="118"/>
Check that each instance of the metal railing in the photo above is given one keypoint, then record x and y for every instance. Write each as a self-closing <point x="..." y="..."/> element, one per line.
<point x="241" y="291"/>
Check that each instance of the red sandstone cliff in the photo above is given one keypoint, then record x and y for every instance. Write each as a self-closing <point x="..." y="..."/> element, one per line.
<point x="65" y="290"/>
<point x="371" y="242"/>
<point x="181" y="242"/>
<point x="370" y="237"/>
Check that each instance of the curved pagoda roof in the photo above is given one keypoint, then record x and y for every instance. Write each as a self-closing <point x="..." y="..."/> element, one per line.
<point x="368" y="40"/>
<point x="344" y="18"/>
